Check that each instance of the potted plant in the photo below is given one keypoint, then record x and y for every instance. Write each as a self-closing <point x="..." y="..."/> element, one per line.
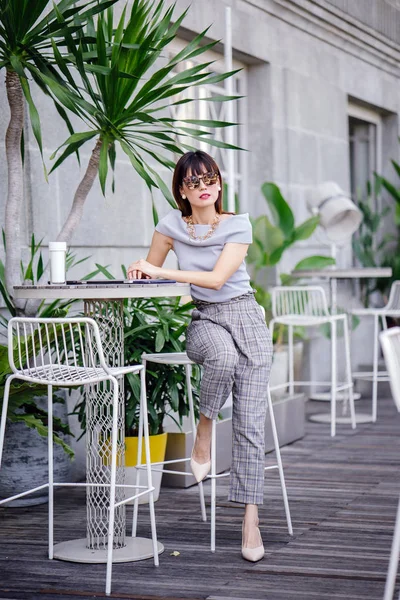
<point x="156" y="325"/>
<point x="26" y="437"/>
<point x="373" y="247"/>
<point x="27" y="416"/>
<point x="272" y="236"/>
<point x="389" y="248"/>
<point x="370" y="245"/>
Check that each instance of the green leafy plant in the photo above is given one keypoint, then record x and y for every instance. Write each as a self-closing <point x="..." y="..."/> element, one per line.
<point x="391" y="254"/>
<point x="23" y="405"/>
<point x="368" y="249"/>
<point x="106" y="75"/>
<point x="271" y="238"/>
<point x="157" y="325"/>
<point x="153" y="325"/>
<point x="28" y="32"/>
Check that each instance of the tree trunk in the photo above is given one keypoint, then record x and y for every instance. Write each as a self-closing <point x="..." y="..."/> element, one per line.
<point x="75" y="214"/>
<point x="15" y="192"/>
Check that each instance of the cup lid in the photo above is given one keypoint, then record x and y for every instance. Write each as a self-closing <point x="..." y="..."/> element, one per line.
<point x="58" y="246"/>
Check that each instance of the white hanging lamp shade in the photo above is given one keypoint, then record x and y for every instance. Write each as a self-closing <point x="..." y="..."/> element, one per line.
<point x="339" y="216"/>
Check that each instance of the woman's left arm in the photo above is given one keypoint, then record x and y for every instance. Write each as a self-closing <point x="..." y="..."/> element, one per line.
<point x="228" y="263"/>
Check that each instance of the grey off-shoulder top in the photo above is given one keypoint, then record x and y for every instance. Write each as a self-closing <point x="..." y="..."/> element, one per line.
<point x="201" y="255"/>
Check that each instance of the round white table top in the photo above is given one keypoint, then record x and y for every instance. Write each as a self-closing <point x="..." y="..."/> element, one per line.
<point x="351" y="273"/>
<point x="109" y="291"/>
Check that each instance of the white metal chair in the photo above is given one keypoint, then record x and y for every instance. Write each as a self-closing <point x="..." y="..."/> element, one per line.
<point x="307" y="306"/>
<point x="50" y="352"/>
<point x="390" y="341"/>
<point x="183" y="359"/>
<point x="392" y="309"/>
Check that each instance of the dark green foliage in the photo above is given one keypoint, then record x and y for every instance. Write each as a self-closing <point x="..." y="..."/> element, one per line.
<point x="391" y="248"/>
<point x="23" y="407"/>
<point x="154" y="325"/>
<point x="28" y="30"/>
<point x="157" y="325"/>
<point x="271" y="239"/>
<point x="369" y="248"/>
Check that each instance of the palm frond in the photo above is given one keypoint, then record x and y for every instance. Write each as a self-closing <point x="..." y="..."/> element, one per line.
<point x="29" y="31"/>
<point x="124" y="99"/>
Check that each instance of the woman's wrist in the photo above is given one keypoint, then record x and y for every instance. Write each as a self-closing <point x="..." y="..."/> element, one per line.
<point x="175" y="274"/>
<point x="161" y="273"/>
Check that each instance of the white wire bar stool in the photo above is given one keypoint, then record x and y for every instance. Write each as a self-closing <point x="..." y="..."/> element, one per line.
<point x="392" y="309"/>
<point x="175" y="358"/>
<point x="214" y="476"/>
<point x="390" y="342"/>
<point x="307" y="306"/>
<point x="182" y="359"/>
<point x="67" y="353"/>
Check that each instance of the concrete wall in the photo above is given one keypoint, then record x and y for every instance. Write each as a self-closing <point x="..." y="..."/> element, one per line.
<point x="300" y="77"/>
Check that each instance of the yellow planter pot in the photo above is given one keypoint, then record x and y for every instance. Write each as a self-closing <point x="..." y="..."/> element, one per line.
<point x="158" y="445"/>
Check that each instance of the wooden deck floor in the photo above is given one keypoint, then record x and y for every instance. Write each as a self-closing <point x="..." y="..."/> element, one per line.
<point x="343" y="494"/>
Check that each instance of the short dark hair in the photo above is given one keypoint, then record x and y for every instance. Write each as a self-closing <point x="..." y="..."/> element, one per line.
<point x="197" y="162"/>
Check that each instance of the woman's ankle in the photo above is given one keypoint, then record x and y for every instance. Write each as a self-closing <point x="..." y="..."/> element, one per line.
<point x="204" y="426"/>
<point x="247" y="522"/>
<point x="251" y="515"/>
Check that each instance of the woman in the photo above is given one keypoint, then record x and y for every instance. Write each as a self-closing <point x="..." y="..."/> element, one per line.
<point x="227" y="335"/>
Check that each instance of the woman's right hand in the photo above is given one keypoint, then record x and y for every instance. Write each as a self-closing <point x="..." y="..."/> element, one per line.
<point x="134" y="273"/>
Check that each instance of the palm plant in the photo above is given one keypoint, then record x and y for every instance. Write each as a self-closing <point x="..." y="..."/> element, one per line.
<point x="124" y="102"/>
<point x="27" y="32"/>
<point x="108" y="79"/>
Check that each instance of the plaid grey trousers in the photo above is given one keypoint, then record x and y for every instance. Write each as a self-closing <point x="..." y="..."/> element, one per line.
<point x="232" y="342"/>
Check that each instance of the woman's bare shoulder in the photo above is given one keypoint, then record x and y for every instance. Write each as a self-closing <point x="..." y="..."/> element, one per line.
<point x="227" y="216"/>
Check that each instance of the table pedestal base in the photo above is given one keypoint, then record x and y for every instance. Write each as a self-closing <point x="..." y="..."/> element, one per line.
<point x="136" y="548"/>
<point x="326" y="396"/>
<point x="326" y="418"/>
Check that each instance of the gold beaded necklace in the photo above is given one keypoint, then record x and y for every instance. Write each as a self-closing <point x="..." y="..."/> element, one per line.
<point x="199" y="238"/>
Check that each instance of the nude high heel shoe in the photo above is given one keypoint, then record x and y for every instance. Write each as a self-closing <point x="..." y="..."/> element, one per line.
<point x="200" y="470"/>
<point x="252" y="554"/>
